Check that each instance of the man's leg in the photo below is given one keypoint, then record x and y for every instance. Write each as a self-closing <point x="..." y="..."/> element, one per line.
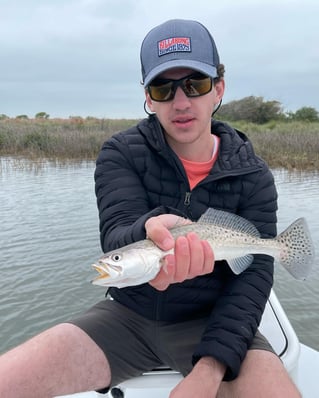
<point x="262" y="375"/>
<point x="61" y="360"/>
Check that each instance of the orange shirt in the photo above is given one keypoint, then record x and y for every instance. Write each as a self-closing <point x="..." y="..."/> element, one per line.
<point x="197" y="171"/>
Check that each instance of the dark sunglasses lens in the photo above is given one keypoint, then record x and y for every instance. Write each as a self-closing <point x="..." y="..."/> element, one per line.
<point x="193" y="86"/>
<point x="196" y="87"/>
<point x="161" y="92"/>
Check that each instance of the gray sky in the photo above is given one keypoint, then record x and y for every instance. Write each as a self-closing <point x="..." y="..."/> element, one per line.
<point x="81" y="57"/>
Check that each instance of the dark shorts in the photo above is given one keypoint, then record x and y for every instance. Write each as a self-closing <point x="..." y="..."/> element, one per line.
<point x="134" y="345"/>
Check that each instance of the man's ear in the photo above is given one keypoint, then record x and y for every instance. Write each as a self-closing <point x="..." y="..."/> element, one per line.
<point x="220" y="89"/>
<point x="149" y="101"/>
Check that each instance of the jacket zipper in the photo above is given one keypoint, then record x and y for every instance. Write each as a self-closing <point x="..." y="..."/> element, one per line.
<point x="187" y="199"/>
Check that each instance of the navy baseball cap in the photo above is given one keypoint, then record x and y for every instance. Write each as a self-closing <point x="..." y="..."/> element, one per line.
<point x="178" y="43"/>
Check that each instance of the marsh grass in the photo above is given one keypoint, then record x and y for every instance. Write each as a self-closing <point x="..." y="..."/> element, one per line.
<point x="62" y="139"/>
<point x="290" y="145"/>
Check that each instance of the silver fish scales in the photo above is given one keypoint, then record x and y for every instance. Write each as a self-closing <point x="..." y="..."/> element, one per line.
<point x="231" y="237"/>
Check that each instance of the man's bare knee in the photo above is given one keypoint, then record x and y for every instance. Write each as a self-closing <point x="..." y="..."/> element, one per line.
<point x="85" y="354"/>
<point x="59" y="361"/>
<point x="262" y="374"/>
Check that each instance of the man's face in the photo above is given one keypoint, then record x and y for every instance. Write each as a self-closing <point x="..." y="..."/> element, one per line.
<point x="186" y="119"/>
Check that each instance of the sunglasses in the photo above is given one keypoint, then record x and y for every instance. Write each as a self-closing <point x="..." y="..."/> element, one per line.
<point x="193" y="85"/>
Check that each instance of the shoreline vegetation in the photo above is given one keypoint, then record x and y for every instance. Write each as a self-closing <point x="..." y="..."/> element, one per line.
<point x="292" y="145"/>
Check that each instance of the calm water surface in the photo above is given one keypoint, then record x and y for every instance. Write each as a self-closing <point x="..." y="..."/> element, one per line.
<point x="49" y="237"/>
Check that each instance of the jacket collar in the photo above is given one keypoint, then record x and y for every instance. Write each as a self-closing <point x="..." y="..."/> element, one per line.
<point x="236" y="151"/>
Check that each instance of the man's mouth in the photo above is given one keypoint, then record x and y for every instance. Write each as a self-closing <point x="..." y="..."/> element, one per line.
<point x="183" y="121"/>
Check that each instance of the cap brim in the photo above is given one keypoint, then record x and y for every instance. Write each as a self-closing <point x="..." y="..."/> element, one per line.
<point x="208" y="70"/>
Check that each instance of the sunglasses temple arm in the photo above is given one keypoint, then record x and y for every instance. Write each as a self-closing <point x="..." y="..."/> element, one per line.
<point x="217" y="107"/>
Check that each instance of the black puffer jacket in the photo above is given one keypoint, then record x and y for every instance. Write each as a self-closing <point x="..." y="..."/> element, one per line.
<point x="139" y="176"/>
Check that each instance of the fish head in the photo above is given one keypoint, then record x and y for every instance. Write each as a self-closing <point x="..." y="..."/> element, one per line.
<point x="109" y="267"/>
<point x="130" y="265"/>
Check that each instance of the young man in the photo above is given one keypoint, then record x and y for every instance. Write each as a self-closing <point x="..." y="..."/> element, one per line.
<point x="195" y="315"/>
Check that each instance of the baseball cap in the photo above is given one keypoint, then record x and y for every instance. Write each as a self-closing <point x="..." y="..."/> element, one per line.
<point x="178" y="43"/>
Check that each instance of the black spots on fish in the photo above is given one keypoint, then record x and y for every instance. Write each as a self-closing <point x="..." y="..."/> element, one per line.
<point x="298" y="252"/>
<point x="299" y="237"/>
<point x="233" y="222"/>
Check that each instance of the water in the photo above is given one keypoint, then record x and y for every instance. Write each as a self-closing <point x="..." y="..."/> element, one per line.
<point x="49" y="237"/>
<point x="298" y="197"/>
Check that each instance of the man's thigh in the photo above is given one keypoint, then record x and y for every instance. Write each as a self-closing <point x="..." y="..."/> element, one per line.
<point x="263" y="375"/>
<point x="125" y="337"/>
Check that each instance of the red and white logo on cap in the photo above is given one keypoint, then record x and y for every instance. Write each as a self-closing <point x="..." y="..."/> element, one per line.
<point x="174" y="44"/>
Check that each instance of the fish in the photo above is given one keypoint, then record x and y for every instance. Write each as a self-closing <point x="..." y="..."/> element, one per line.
<point x="232" y="238"/>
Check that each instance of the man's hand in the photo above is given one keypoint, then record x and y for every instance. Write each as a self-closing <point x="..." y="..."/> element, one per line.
<point x="192" y="257"/>
<point x="203" y="381"/>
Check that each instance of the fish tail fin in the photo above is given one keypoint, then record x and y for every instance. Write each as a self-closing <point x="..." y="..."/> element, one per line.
<point x="297" y="255"/>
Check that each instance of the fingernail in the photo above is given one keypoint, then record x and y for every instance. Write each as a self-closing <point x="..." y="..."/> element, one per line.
<point x="168" y="264"/>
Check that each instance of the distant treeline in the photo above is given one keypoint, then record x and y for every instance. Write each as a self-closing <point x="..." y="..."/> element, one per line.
<point x="257" y="110"/>
<point x="290" y="141"/>
<point x="250" y="109"/>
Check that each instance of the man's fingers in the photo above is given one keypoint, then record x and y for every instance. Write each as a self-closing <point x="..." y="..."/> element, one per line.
<point x="197" y="256"/>
<point x="192" y="257"/>
<point x="209" y="257"/>
<point x="166" y="274"/>
<point x="157" y="229"/>
<point x="182" y="259"/>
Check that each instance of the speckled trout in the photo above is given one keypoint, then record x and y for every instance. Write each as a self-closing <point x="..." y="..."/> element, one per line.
<point x="231" y="237"/>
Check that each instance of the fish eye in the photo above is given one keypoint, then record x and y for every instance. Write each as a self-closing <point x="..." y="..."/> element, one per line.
<point x="116" y="257"/>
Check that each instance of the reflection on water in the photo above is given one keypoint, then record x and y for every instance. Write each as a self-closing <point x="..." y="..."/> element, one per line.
<point x="49" y="237"/>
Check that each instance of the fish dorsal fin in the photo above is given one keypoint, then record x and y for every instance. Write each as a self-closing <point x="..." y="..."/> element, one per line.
<point x="239" y="264"/>
<point x="228" y="220"/>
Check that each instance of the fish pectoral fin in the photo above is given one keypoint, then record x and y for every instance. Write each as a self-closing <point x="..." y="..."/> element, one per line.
<point x="240" y="264"/>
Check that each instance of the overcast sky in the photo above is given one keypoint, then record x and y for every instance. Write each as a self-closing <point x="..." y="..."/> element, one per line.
<point x="81" y="57"/>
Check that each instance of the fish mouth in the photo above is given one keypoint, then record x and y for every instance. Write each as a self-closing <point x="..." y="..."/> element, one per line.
<point x="107" y="270"/>
<point x="101" y="270"/>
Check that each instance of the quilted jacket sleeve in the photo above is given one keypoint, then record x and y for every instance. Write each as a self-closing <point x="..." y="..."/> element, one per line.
<point x="121" y="196"/>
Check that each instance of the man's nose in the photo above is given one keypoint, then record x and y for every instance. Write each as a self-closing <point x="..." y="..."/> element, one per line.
<point x="181" y="101"/>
